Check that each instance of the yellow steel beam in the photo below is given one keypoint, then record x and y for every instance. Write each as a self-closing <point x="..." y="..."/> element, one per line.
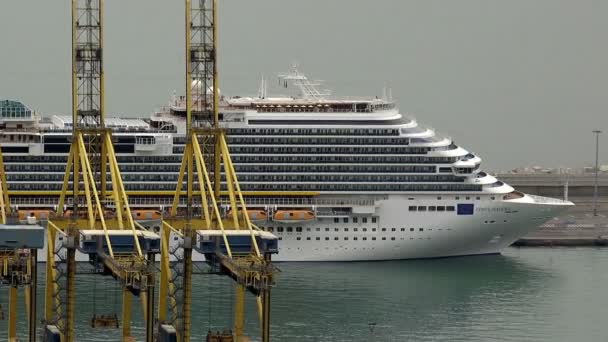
<point x="197" y="150"/>
<point x="81" y="154"/>
<point x="230" y="186"/>
<point x="239" y="313"/>
<point x="66" y="180"/>
<point x="121" y="187"/>
<point x="230" y="168"/>
<point x="180" y="180"/>
<point x="205" y="205"/>
<point x="50" y="274"/>
<point x="165" y="274"/>
<point x="126" y="313"/>
<point x="118" y="204"/>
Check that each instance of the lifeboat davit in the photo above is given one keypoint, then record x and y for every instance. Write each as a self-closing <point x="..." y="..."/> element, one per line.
<point x="293" y="215"/>
<point x="107" y="214"/>
<point x="254" y="214"/>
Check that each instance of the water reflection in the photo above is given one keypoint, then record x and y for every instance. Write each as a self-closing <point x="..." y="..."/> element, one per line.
<point x="523" y="295"/>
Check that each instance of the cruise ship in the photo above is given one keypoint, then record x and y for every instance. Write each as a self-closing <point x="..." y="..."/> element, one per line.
<point x="336" y="179"/>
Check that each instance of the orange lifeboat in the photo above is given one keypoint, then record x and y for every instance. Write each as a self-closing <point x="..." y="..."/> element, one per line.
<point x="254" y="214"/>
<point x="37" y="213"/>
<point x="293" y="215"/>
<point x="146" y="214"/>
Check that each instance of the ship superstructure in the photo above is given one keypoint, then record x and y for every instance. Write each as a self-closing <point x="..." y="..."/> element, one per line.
<point x="334" y="178"/>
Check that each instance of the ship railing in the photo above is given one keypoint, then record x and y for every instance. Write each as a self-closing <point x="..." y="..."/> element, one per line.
<point x="168" y="201"/>
<point x="305" y="201"/>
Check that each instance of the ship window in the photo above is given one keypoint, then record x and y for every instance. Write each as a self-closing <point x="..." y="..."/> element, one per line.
<point x="326" y="238"/>
<point x="467" y="198"/>
<point x="336" y="229"/>
<point x="336" y="238"/>
<point x="355" y="220"/>
<point x="326" y="229"/>
<point x="345" y="229"/>
<point x="373" y="229"/>
<point x="280" y="229"/>
<point x="336" y="220"/>
<point x="298" y="238"/>
<point x="457" y="197"/>
<point x="270" y="229"/>
<point x="411" y="229"/>
<point x="449" y="208"/>
<point x="364" y="220"/>
<point x="412" y="208"/>
<point x="374" y="219"/>
<point x="364" y="229"/>
<point x="374" y="238"/>
<point x="393" y="229"/>
<point x="308" y="238"/>
<point x="345" y="220"/>
<point x="355" y="238"/>
<point x="384" y="238"/>
<point x="383" y="229"/>
<point x="440" y="208"/>
<point x="289" y="229"/>
<point x="431" y="208"/>
<point x="402" y="229"/>
<point x="421" y="229"/>
<point x="318" y="229"/>
<point x="318" y="238"/>
<point x="492" y="198"/>
<point x="355" y="229"/>
<point x="364" y="238"/>
<point x="346" y="238"/>
<point x="422" y="208"/>
<point x="299" y="229"/>
<point x="478" y="198"/>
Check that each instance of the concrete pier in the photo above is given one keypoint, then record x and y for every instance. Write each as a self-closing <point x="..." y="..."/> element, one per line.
<point x="575" y="227"/>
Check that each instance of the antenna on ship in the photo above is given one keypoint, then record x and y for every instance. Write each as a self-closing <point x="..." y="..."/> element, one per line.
<point x="263" y="88"/>
<point x="308" y="88"/>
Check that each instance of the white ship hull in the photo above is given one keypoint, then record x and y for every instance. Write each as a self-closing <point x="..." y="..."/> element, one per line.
<point x="493" y="226"/>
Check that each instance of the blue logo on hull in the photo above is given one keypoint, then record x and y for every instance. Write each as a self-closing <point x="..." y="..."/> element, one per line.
<point x="465" y="209"/>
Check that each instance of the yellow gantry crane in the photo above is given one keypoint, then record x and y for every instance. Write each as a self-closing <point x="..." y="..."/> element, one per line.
<point x="227" y="239"/>
<point x="18" y="252"/>
<point x="91" y="226"/>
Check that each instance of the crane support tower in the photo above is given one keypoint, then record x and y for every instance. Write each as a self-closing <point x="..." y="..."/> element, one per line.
<point x="227" y="238"/>
<point x="18" y="264"/>
<point x="89" y="226"/>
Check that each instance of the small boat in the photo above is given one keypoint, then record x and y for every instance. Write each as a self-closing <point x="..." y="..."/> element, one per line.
<point x="293" y="215"/>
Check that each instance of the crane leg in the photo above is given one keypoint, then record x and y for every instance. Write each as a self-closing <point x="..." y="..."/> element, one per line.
<point x="12" y="314"/>
<point x="239" y="313"/>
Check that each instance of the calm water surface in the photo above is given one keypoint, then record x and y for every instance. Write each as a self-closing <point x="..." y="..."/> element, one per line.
<point x="523" y="295"/>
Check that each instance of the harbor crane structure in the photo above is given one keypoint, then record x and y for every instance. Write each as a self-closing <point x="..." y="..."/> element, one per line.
<point x="228" y="239"/>
<point x="115" y="243"/>
<point x="18" y="264"/>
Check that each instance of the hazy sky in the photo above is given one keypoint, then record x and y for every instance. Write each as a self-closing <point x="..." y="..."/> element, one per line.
<point x="519" y="82"/>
